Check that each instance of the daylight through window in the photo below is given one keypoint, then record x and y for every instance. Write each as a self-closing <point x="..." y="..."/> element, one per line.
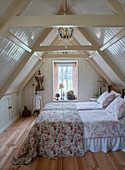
<point x="65" y="80"/>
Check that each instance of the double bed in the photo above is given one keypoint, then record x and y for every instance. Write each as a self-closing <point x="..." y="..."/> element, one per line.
<point x="63" y="130"/>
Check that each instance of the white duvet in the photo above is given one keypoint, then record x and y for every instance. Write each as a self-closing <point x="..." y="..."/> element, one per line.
<point x="88" y="106"/>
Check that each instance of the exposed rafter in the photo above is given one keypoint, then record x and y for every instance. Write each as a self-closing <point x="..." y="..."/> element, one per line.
<point x="37" y="56"/>
<point x="14" y="75"/>
<point x="11" y="13"/>
<point x="95" y="66"/>
<point x="74" y="20"/>
<point x="66" y="55"/>
<point x="105" y="57"/>
<point x="62" y="48"/>
<point x="23" y="63"/>
<point x="17" y="41"/>
<point x="64" y="6"/>
<point x="99" y="70"/>
<point x="28" y="77"/>
<point x="116" y="6"/>
<point x="35" y="68"/>
<point x="113" y="40"/>
<point x="112" y="65"/>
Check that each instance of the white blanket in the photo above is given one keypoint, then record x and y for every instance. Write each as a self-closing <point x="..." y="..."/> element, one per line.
<point x="88" y="106"/>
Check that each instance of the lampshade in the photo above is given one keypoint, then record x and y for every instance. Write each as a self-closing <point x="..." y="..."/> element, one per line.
<point x="61" y="86"/>
<point x="100" y="83"/>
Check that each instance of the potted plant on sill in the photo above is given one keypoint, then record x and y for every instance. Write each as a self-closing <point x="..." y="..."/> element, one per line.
<point x="70" y="95"/>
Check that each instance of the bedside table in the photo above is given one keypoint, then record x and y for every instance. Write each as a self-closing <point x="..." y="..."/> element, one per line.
<point x="93" y="99"/>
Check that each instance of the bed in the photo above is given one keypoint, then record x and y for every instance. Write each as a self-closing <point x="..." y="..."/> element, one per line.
<point x="103" y="101"/>
<point x="61" y="130"/>
<point x="102" y="131"/>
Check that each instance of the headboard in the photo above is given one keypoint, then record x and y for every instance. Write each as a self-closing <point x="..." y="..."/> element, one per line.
<point x="116" y="89"/>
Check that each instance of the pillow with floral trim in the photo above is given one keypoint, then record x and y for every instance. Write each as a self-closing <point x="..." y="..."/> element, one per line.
<point x="117" y="108"/>
<point x="116" y="94"/>
<point x="106" y="98"/>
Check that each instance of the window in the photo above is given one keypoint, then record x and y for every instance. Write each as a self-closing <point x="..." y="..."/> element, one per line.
<point x="64" y="78"/>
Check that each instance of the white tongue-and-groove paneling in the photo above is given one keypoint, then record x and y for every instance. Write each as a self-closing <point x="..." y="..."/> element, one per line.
<point x="4" y="5"/>
<point x="80" y="38"/>
<point x="42" y="7"/>
<point x="122" y="2"/>
<point x="115" y="79"/>
<point x="103" y="34"/>
<point x="50" y="37"/>
<point x="27" y="35"/>
<point x="25" y="71"/>
<point x="89" y="7"/>
<point x="10" y="57"/>
<point x="117" y="54"/>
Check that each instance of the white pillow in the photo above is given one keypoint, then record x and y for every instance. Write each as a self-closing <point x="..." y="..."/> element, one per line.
<point x="117" y="108"/>
<point x="116" y="94"/>
<point x="106" y="98"/>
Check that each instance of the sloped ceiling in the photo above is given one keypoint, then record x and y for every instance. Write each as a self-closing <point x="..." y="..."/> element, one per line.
<point x="18" y="62"/>
<point x="89" y="7"/>
<point x="4" y="5"/>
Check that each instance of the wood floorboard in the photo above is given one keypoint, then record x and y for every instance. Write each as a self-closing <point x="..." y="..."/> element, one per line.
<point x="13" y="139"/>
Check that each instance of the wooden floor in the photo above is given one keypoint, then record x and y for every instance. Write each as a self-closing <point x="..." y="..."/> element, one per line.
<point x="12" y="140"/>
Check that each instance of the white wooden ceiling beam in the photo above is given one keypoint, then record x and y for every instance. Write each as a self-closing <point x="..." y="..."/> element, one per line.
<point x="17" y="41"/>
<point x="14" y="74"/>
<point x="105" y="57"/>
<point x="11" y="13"/>
<point x="64" y="6"/>
<point x="95" y="66"/>
<point x="116" y="6"/>
<point x="99" y="70"/>
<point x="22" y="63"/>
<point x="113" y="40"/>
<point x="72" y="20"/>
<point x="62" y="48"/>
<point x="28" y="77"/>
<point x="112" y="65"/>
<point x="35" y="68"/>
<point x="66" y="55"/>
<point x="87" y="35"/>
<point x="37" y="56"/>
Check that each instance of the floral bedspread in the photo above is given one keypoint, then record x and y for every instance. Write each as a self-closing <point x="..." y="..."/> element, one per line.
<point x="55" y="133"/>
<point x="101" y="124"/>
<point x="60" y="106"/>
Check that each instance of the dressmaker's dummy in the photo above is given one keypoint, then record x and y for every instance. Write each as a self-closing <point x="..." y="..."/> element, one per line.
<point x="39" y="79"/>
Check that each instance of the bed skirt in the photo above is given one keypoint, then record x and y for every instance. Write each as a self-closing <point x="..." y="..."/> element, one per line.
<point x="104" y="144"/>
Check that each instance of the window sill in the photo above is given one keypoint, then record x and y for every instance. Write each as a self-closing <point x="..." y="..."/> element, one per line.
<point x="65" y="100"/>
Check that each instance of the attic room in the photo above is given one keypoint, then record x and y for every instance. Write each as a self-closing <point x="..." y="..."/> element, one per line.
<point x="62" y="84"/>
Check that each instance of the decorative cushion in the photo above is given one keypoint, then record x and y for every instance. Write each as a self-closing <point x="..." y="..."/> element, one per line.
<point x="106" y="98"/>
<point x="117" y="108"/>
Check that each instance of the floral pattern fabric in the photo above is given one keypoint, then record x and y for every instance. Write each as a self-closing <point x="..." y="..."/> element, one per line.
<point x="60" y="130"/>
<point x="117" y="108"/>
<point x="106" y="98"/>
<point x="55" y="133"/>
<point x="60" y="106"/>
<point x="101" y="124"/>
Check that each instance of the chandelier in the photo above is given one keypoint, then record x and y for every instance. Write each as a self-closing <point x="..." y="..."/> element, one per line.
<point x="66" y="33"/>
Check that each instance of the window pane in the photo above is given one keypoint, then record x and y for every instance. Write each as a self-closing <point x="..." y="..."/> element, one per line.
<point x="66" y="77"/>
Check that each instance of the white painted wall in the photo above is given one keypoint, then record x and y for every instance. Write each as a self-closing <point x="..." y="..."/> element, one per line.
<point x="8" y="116"/>
<point x="87" y="78"/>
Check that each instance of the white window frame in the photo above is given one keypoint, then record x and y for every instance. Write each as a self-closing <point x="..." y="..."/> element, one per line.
<point x="64" y="61"/>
